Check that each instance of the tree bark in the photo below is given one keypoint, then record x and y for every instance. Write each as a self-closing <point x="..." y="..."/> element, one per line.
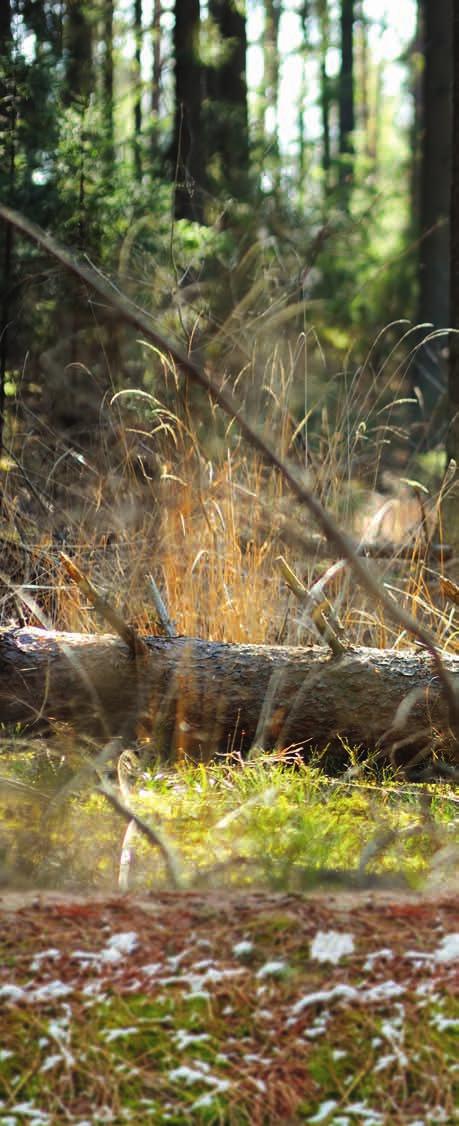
<point x="79" y="77"/>
<point x="325" y="92"/>
<point x="137" y="147"/>
<point x="451" y="506"/>
<point x="227" y="124"/>
<point x="200" y="698"/>
<point x="346" y="99"/>
<point x="187" y="150"/>
<point x="107" y="87"/>
<point x="271" y="78"/>
<point x="435" y="179"/>
<point x="7" y="182"/>
<point x="156" y="71"/>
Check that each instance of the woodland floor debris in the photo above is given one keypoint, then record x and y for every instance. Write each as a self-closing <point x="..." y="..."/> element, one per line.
<point x="162" y="1009"/>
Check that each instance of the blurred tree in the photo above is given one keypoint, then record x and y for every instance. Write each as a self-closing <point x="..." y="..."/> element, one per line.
<point x="450" y="508"/>
<point x="187" y="148"/>
<point x="156" y="71"/>
<point x="227" y="133"/>
<point x="7" y="149"/>
<point x="346" y="100"/>
<point x="452" y="446"/>
<point x="137" y="145"/>
<point x="325" y="88"/>
<point x="435" y="20"/>
<point x="107" y="88"/>
<point x="271" y="74"/>
<point x="79" y="73"/>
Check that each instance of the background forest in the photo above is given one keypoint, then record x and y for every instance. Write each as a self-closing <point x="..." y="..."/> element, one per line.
<point x="260" y="175"/>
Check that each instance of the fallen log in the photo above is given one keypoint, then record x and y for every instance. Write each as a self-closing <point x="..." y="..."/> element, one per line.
<point x="201" y="698"/>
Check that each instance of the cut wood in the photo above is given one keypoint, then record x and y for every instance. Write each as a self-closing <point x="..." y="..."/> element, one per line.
<point x="202" y="698"/>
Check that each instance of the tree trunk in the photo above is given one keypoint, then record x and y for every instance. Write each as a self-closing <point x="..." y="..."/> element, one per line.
<point x="451" y="506"/>
<point x="363" y="79"/>
<point x="200" y="698"/>
<point x="271" y="74"/>
<point x="436" y="23"/>
<point x="227" y="131"/>
<point x="187" y="142"/>
<point x="79" y="63"/>
<point x="137" y="147"/>
<point x="107" y="87"/>
<point x="346" y="98"/>
<point x="156" y="71"/>
<point x="8" y="152"/>
<point x="325" y="99"/>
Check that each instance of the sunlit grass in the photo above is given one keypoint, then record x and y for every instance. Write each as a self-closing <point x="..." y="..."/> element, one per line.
<point x="259" y="824"/>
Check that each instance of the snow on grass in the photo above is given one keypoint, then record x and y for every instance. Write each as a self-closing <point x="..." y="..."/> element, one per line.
<point x="385" y="954"/>
<point x="118" y="947"/>
<point x="12" y="993"/>
<point x="448" y="950"/>
<point x="111" y="1034"/>
<point x="324" y="1110"/>
<point x="385" y="991"/>
<point x="243" y="948"/>
<point x="331" y="946"/>
<point x="51" y="991"/>
<point x="28" y="1112"/>
<point x="325" y="996"/>
<point x="272" y="969"/>
<point x="444" y="1024"/>
<point x="152" y="968"/>
<point x="44" y="956"/>
<point x="198" y="1073"/>
<point x="184" y="1039"/>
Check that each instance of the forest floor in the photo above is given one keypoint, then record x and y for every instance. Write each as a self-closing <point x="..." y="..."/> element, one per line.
<point x="248" y="997"/>
<point x="244" y="1007"/>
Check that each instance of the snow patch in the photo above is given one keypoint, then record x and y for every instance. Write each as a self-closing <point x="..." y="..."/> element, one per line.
<point x="183" y="1039"/>
<point x="111" y="1034"/>
<point x="45" y="956"/>
<point x="338" y="993"/>
<point x="243" y="948"/>
<point x="385" y="954"/>
<point x="448" y="950"/>
<point x="331" y="946"/>
<point x="272" y="969"/>
<point x="12" y="993"/>
<point x="119" y="945"/>
<point x="324" y="1110"/>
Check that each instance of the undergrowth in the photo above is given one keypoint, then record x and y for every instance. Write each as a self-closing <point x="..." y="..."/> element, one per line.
<point x="258" y="824"/>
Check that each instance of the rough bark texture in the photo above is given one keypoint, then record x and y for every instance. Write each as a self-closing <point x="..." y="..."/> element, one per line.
<point x="201" y="697"/>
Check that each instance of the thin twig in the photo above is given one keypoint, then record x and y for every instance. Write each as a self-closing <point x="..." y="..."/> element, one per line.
<point x="105" y="609"/>
<point x="161" y="609"/>
<point x="153" y="836"/>
<point x="321" y="612"/>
